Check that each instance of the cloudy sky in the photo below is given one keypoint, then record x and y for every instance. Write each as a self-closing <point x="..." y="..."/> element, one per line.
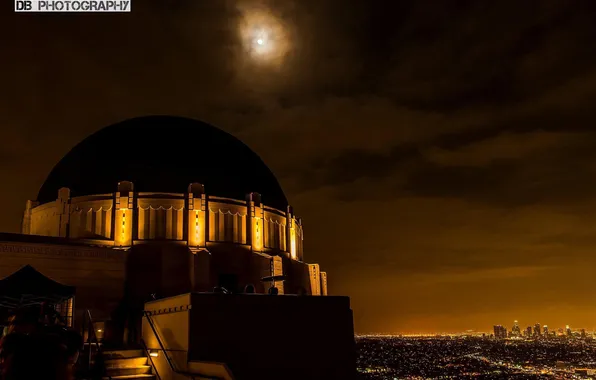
<point x="441" y="153"/>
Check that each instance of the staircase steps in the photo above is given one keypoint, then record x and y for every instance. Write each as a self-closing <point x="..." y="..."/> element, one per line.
<point x="119" y="354"/>
<point x="131" y="377"/>
<point x="127" y="365"/>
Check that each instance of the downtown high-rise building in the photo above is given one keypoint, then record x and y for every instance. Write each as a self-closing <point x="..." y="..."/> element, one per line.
<point x="537" y="332"/>
<point x="500" y="332"/>
<point x="515" y="330"/>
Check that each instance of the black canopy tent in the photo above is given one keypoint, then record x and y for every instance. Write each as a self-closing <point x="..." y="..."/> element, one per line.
<point x="28" y="287"/>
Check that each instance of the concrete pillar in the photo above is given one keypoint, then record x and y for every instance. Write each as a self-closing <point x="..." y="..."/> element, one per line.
<point x="196" y="216"/>
<point x="277" y="270"/>
<point x="124" y="212"/>
<point x="290" y="233"/>
<point x="256" y="226"/>
<point x="63" y="211"/>
<point x="315" y="280"/>
<point x="299" y="238"/>
<point x="324" y="284"/>
<point x="197" y="232"/>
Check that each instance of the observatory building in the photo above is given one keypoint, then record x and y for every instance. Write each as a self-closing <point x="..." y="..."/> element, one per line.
<point x="157" y="207"/>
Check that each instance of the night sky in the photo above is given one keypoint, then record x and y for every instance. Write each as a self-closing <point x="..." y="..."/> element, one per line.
<point x="441" y="153"/>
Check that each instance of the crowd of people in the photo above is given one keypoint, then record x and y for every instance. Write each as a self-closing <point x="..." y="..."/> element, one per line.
<point x="36" y="344"/>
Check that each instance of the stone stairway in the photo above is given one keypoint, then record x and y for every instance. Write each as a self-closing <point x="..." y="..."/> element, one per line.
<point x="127" y="364"/>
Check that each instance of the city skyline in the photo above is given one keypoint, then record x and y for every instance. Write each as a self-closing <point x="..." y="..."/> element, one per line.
<point x="486" y="330"/>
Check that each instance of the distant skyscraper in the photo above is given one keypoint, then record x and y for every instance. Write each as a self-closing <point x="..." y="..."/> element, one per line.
<point x="529" y="331"/>
<point x="500" y="332"/>
<point x="545" y="330"/>
<point x="568" y="330"/>
<point x="583" y="333"/>
<point x="537" y="331"/>
<point x="515" y="330"/>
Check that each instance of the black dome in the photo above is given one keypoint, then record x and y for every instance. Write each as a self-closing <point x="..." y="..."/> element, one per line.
<point x="163" y="154"/>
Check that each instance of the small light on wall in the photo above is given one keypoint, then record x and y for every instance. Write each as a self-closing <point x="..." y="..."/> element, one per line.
<point x="153" y="354"/>
<point x="99" y="330"/>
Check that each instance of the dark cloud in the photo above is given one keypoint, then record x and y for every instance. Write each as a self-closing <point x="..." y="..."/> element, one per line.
<point x="433" y="148"/>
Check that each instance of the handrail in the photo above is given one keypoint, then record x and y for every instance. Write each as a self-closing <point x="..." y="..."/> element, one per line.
<point x="91" y="328"/>
<point x="165" y="352"/>
<point x="171" y="364"/>
<point x="150" y="358"/>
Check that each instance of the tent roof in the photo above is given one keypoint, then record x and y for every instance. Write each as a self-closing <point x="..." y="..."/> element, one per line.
<point x="29" y="283"/>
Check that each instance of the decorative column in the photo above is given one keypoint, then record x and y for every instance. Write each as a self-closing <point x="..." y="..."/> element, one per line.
<point x="123" y="214"/>
<point x="63" y="211"/>
<point x="277" y="270"/>
<point x="196" y="215"/>
<point x="291" y="233"/>
<point x="254" y="231"/>
<point x="197" y="230"/>
<point x="299" y="238"/>
<point x="315" y="281"/>
<point x="324" y="283"/>
<point x="26" y="226"/>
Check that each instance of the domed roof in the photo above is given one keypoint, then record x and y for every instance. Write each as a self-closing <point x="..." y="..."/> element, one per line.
<point x="163" y="154"/>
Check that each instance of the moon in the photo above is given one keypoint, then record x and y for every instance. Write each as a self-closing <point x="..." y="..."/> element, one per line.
<point x="264" y="36"/>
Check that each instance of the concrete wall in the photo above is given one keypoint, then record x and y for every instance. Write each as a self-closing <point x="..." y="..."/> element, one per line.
<point x="242" y="237"/>
<point x="238" y="260"/>
<point x="160" y="268"/>
<point x="298" y="274"/>
<point x="171" y="319"/>
<point x="97" y="273"/>
<point x="45" y="220"/>
<point x="274" y="337"/>
<point x="171" y="322"/>
<point x="91" y="218"/>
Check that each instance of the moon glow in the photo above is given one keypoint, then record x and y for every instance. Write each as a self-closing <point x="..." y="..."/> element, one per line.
<point x="264" y="37"/>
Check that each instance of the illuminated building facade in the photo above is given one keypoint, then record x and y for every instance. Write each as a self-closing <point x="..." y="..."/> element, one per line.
<point x="178" y="205"/>
<point x="159" y="219"/>
<point x="207" y="225"/>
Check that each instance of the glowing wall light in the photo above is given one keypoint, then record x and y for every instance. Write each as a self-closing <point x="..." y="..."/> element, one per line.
<point x="197" y="225"/>
<point x="198" y="229"/>
<point x="123" y="223"/>
<point x="123" y="233"/>
<point x="257" y="243"/>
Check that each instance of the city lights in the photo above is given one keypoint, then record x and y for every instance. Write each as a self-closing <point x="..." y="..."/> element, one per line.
<point x="471" y="355"/>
